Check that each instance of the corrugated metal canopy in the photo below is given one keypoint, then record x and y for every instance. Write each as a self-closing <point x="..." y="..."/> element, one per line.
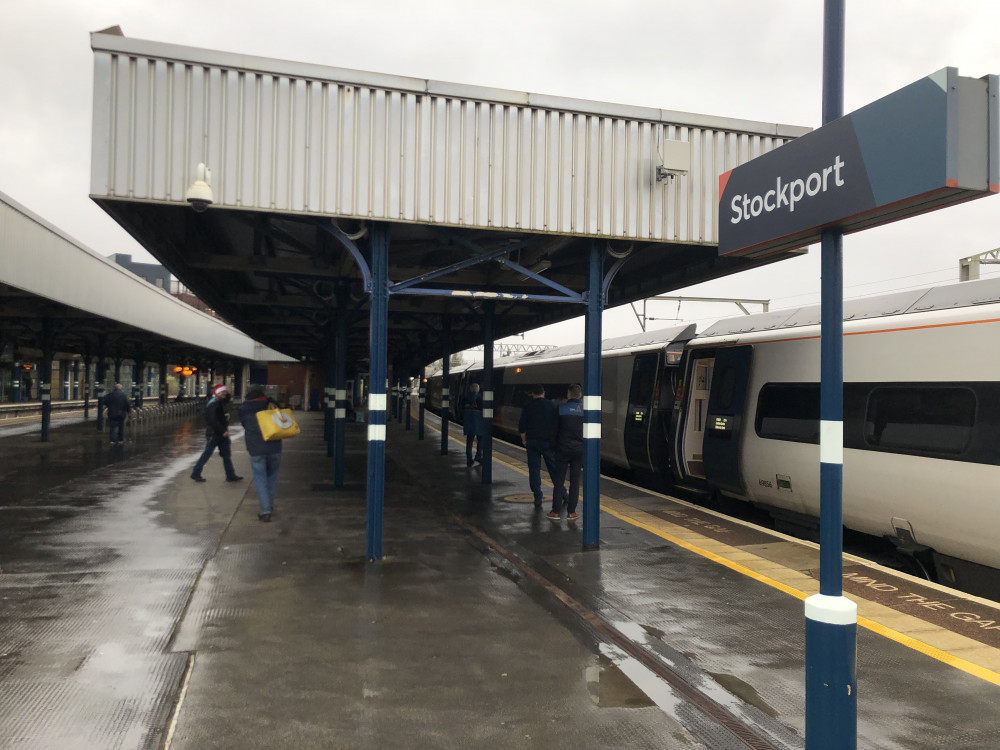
<point x="481" y="182"/>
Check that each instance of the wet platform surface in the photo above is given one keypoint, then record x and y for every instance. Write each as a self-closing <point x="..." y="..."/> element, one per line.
<point x="141" y="610"/>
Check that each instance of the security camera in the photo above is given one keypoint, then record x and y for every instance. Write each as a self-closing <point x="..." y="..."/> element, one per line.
<point x="199" y="195"/>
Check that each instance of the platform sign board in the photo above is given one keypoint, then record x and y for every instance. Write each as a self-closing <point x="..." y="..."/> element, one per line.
<point x="931" y="144"/>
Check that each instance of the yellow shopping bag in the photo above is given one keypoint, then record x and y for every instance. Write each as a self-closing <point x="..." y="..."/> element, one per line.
<point x="277" y="424"/>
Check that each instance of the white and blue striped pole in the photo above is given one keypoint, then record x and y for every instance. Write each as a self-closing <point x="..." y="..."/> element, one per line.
<point x="592" y="400"/>
<point x="489" y="311"/>
<point x="421" y="398"/>
<point x="445" y="380"/>
<point x="831" y="618"/>
<point x="378" y="359"/>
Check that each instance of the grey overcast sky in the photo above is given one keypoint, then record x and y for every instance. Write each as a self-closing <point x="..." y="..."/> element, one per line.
<point x="730" y="58"/>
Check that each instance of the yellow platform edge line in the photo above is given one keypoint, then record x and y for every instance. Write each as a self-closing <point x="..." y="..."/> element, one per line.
<point x="614" y="508"/>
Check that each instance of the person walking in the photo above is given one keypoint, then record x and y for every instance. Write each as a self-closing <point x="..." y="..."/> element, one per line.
<point x="568" y="450"/>
<point x="265" y="456"/>
<point x="536" y="425"/>
<point x="217" y="433"/>
<point x="118" y="408"/>
<point x="472" y="423"/>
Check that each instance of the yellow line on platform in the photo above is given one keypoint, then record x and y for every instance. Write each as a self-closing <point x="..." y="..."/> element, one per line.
<point x="653" y="525"/>
<point x="632" y="516"/>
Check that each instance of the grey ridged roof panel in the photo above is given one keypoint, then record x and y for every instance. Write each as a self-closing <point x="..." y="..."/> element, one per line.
<point x="299" y="138"/>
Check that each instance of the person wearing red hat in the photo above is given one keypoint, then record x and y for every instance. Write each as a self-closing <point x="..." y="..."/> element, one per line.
<point x="217" y="433"/>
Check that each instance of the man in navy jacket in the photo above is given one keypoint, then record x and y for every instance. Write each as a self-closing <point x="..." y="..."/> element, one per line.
<point x="217" y="434"/>
<point x="568" y="454"/>
<point x="536" y="425"/>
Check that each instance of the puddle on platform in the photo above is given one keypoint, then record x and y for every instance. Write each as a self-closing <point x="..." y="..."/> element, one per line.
<point x="610" y="688"/>
<point x="744" y="691"/>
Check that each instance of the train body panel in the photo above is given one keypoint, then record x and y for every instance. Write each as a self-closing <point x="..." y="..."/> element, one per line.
<point x="735" y="411"/>
<point x="921" y="425"/>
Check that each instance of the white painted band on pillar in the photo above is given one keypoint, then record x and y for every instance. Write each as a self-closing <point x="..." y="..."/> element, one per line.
<point x="444" y="391"/>
<point x="422" y="390"/>
<point x="831" y="442"/>
<point x="331" y="391"/>
<point x="487" y="414"/>
<point x="376" y="432"/>
<point x="833" y="610"/>
<point x="340" y="413"/>
<point x="487" y="395"/>
<point x="421" y="401"/>
<point x="444" y="402"/>
<point x="592" y="403"/>
<point x="591" y="430"/>
<point x="341" y="395"/>
<point x="376" y="402"/>
<point x="46" y="397"/>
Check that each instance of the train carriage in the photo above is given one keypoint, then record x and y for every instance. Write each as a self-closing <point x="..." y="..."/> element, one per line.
<point x="921" y="421"/>
<point x="734" y="412"/>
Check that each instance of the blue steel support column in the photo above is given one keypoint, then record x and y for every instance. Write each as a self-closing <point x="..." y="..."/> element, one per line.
<point x="377" y="337"/>
<point x="489" y="309"/>
<point x="163" y="379"/>
<point x="86" y="382"/>
<point x="421" y="391"/>
<point x="100" y="375"/>
<point x="340" y="393"/>
<point x="76" y="380"/>
<point x="831" y="619"/>
<point x="592" y="400"/>
<point x="45" y="375"/>
<point x="445" y="377"/>
<point x="330" y="391"/>
<point x="409" y="401"/>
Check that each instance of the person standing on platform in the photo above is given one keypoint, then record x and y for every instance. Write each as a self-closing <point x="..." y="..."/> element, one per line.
<point x="118" y="408"/>
<point x="536" y="425"/>
<point x="217" y="433"/>
<point x="568" y="449"/>
<point x="265" y="456"/>
<point x="472" y="423"/>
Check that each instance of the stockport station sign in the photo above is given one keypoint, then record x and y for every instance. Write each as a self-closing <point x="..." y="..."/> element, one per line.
<point x="929" y="145"/>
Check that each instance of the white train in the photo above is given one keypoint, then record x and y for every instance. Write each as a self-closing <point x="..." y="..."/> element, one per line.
<point x="734" y="411"/>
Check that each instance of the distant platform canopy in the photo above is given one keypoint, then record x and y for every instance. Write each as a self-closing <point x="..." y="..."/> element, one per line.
<point x="51" y="283"/>
<point x="490" y="194"/>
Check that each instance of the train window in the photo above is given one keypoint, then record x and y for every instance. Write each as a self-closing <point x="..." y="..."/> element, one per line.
<point x="789" y="411"/>
<point x="726" y="388"/>
<point x="643" y="379"/>
<point x="920" y="419"/>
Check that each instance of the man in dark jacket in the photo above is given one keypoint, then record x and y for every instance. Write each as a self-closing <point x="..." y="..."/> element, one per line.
<point x="536" y="425"/>
<point x="265" y="456"/>
<point x="217" y="432"/>
<point x="118" y="408"/>
<point x="568" y="454"/>
<point x="472" y="423"/>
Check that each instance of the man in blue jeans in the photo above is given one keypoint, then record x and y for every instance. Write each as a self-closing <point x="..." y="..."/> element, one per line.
<point x="538" y="419"/>
<point x="265" y="456"/>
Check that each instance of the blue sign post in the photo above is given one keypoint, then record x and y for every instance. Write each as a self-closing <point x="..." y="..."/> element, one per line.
<point x="831" y="618"/>
<point x="929" y="145"/>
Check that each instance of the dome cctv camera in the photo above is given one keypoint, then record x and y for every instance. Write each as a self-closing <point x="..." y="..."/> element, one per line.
<point x="199" y="195"/>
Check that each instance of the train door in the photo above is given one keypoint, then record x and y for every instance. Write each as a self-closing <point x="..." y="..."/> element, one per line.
<point x="638" y="417"/>
<point x="724" y="418"/>
<point x="691" y="406"/>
